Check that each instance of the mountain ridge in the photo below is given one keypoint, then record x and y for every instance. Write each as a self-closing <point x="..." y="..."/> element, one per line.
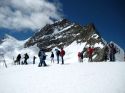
<point x="64" y="30"/>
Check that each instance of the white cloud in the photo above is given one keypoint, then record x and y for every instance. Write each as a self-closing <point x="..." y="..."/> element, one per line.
<point x="31" y="14"/>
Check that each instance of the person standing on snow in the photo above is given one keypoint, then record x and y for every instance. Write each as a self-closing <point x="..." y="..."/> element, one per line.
<point x="79" y="56"/>
<point x="90" y="52"/>
<point x="57" y="54"/>
<point x="18" y="59"/>
<point x="112" y="52"/>
<point x="26" y="56"/>
<point x="34" y="58"/>
<point x="106" y="53"/>
<point x="52" y="57"/>
<point x="62" y="53"/>
<point x="42" y="57"/>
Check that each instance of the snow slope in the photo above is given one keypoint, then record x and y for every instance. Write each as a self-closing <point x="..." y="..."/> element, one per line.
<point x="101" y="77"/>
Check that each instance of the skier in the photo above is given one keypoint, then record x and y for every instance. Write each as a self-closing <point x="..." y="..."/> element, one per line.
<point x="18" y="59"/>
<point x="57" y="54"/>
<point x="52" y="57"/>
<point x="90" y="52"/>
<point x="34" y="59"/>
<point x="42" y="57"/>
<point x="62" y="53"/>
<point x="26" y="56"/>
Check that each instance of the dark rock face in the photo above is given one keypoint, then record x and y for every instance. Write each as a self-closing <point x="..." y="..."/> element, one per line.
<point x="65" y="32"/>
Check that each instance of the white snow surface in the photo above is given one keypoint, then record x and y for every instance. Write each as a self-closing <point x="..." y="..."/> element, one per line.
<point x="101" y="77"/>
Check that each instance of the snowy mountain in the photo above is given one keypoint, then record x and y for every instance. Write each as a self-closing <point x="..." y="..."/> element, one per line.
<point x="64" y="33"/>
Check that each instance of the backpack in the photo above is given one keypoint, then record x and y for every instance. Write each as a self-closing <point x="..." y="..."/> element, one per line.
<point x="27" y="57"/>
<point x="39" y="54"/>
<point x="44" y="57"/>
<point x="58" y="52"/>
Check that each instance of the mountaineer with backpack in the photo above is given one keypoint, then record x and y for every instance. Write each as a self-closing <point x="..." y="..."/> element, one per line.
<point x="42" y="57"/>
<point x="26" y="56"/>
<point x="18" y="59"/>
<point x="62" y="53"/>
<point x="57" y="54"/>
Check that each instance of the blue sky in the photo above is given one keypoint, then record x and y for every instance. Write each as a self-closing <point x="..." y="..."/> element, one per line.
<point x="107" y="15"/>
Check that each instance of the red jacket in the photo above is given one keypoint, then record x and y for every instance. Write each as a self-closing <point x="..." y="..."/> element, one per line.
<point x="90" y="51"/>
<point x="62" y="53"/>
